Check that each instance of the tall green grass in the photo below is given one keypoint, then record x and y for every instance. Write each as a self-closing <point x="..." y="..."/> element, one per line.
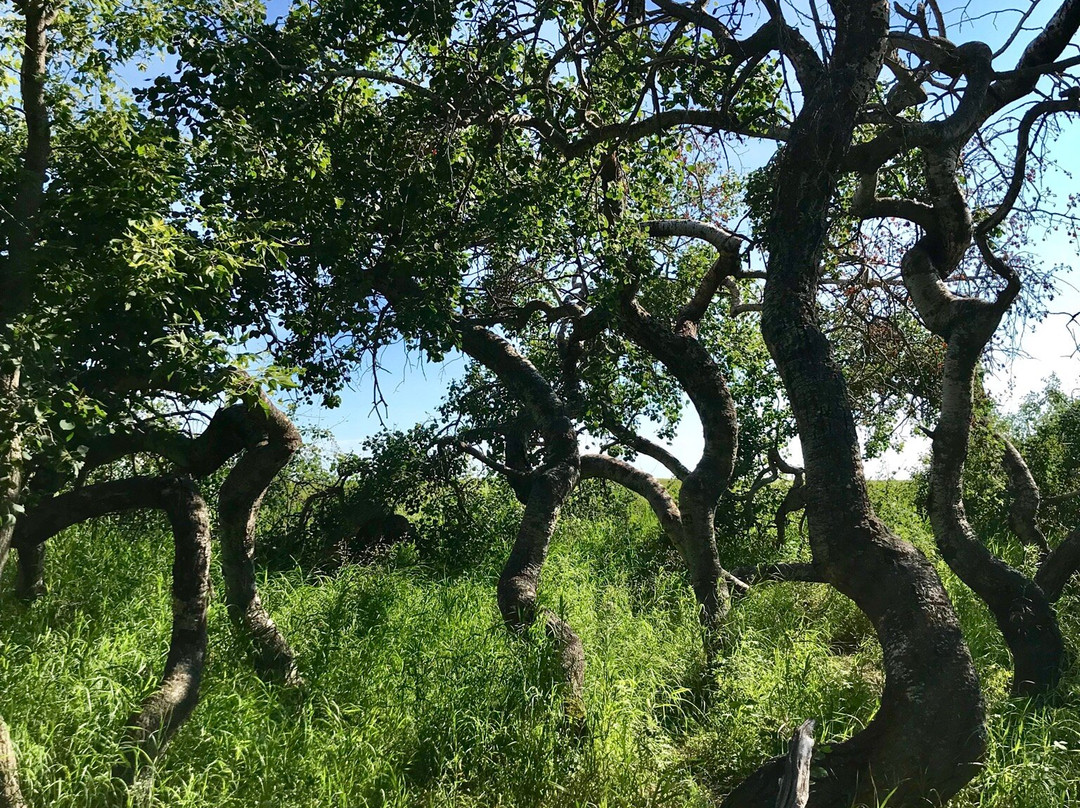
<point x="416" y="695"/>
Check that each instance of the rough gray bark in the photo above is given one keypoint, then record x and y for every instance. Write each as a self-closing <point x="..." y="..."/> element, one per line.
<point x="10" y="793"/>
<point x="166" y="710"/>
<point x="1024" y="509"/>
<point x="170" y="706"/>
<point x="550" y="486"/>
<point x="928" y="733"/>
<point x="238" y="508"/>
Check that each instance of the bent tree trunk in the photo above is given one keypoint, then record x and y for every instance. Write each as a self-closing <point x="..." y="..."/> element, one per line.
<point x="550" y="486"/>
<point x="1021" y="610"/>
<point x="238" y="505"/>
<point x="928" y="732"/>
<point x="166" y="710"/>
<point x="679" y="350"/>
<point x="269" y="439"/>
<point x="1059" y="566"/>
<point x="16" y="274"/>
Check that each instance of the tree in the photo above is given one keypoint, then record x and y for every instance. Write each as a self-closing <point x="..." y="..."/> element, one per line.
<point x="116" y="305"/>
<point x="522" y="108"/>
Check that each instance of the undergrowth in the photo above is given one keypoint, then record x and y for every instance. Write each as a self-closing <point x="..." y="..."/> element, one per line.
<point x="416" y="696"/>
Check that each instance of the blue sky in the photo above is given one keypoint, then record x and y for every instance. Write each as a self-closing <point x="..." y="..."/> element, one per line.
<point x="413" y="388"/>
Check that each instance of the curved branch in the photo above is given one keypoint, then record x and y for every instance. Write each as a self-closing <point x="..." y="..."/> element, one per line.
<point x="166" y="710"/>
<point x="169" y="707"/>
<point x="1043" y="50"/>
<point x="631" y="440"/>
<point x="228" y="432"/>
<point x="660" y="122"/>
<point x="513" y="475"/>
<point x="1059" y="566"/>
<point x="644" y="485"/>
<point x="953" y="130"/>
<point x="1023" y="137"/>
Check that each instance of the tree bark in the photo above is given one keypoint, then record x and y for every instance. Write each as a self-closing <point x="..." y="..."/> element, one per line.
<point x="170" y="706"/>
<point x="929" y="732"/>
<point x="1059" y="566"/>
<point x="699" y="375"/>
<point x="30" y="572"/>
<point x="22" y="237"/>
<point x="238" y="507"/>
<point x="795" y="786"/>
<point x="551" y="485"/>
<point x="10" y="793"/>
<point x="1024" y="510"/>
<point x="1021" y="610"/>
<point x="166" y="710"/>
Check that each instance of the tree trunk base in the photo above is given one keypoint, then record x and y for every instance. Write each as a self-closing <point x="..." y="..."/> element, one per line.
<point x="30" y="573"/>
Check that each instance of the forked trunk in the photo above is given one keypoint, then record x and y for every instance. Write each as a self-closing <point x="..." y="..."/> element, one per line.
<point x="1059" y="566"/>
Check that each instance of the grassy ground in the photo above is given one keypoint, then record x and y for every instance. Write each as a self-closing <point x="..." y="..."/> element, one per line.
<point x="416" y="696"/>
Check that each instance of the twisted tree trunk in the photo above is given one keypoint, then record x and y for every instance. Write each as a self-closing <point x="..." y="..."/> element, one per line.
<point x="238" y="507"/>
<point x="166" y="710"/>
<point x="677" y="347"/>
<point x="548" y="489"/>
<point x="1020" y="608"/>
<point x="924" y="741"/>
<point x="269" y="439"/>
